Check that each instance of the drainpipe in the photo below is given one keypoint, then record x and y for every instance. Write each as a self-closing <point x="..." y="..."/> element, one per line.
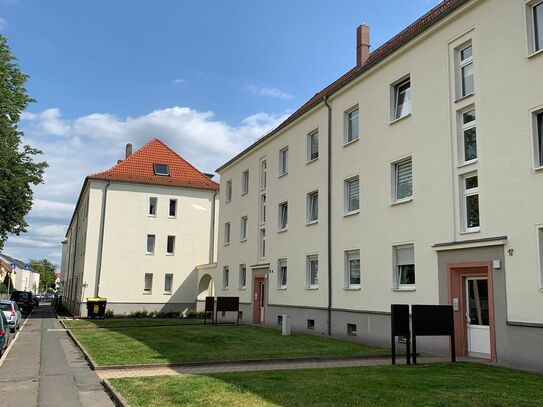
<point x="212" y="231"/>
<point x="101" y="242"/>
<point x="329" y="217"/>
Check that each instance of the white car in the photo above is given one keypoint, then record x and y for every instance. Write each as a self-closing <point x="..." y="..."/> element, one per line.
<point x="12" y="314"/>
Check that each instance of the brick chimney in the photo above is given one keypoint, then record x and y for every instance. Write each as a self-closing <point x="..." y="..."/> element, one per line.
<point x="128" y="152"/>
<point x="362" y="44"/>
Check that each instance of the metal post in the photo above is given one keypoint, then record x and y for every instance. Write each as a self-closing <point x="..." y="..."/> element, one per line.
<point x="9" y="282"/>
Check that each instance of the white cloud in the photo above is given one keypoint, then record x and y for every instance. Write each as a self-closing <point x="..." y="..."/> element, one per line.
<point x="3" y="24"/>
<point x="267" y="91"/>
<point x="178" y="81"/>
<point x="46" y="123"/>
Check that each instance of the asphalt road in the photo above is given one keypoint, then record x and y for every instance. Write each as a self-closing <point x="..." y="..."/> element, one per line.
<point x="44" y="368"/>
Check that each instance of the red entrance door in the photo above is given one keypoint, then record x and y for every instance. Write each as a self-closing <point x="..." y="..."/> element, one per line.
<point x="259" y="291"/>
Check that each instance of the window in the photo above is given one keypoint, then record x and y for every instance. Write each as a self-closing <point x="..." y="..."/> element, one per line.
<point x="170" y="249"/>
<point x="402" y="99"/>
<point x="537" y="16"/>
<point x="245" y="182"/>
<point x="151" y="244"/>
<point x="313" y="271"/>
<point x="465" y="70"/>
<point x="243" y="229"/>
<point x="283" y="161"/>
<point x="262" y="244"/>
<point x="404" y="260"/>
<point x="279" y="319"/>
<point x="403" y="180"/>
<point x="173" y="208"/>
<point x="471" y="202"/>
<point x="242" y="276"/>
<point x="262" y="209"/>
<point x="352" y="268"/>
<point x="228" y="190"/>
<point x="313" y="207"/>
<point x="311" y="324"/>
<point x="313" y="146"/>
<point x="351" y="329"/>
<point x="352" y="121"/>
<point x="161" y="169"/>
<point x="168" y="282"/>
<point x="282" y="275"/>
<point x="283" y="215"/>
<point x="225" y="277"/>
<point x="263" y="174"/>
<point x="152" y="206"/>
<point x="227" y="233"/>
<point x="539" y="139"/>
<point x="148" y="283"/>
<point x="468" y="136"/>
<point x="352" y="195"/>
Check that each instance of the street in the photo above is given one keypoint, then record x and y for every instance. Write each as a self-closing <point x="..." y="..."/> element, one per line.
<point x="44" y="368"/>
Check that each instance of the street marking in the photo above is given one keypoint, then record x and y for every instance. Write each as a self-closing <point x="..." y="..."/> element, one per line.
<point x="56" y="330"/>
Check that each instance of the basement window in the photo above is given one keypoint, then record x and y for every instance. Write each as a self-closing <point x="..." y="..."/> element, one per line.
<point x="351" y="329"/>
<point x="310" y="324"/>
<point x="279" y="319"/>
<point x="161" y="169"/>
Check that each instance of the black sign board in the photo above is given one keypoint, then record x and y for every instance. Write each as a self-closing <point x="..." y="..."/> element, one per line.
<point x="399" y="316"/>
<point x="226" y="304"/>
<point x="433" y="320"/>
<point x="210" y="307"/>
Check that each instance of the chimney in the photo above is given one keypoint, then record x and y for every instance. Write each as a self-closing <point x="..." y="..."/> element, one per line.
<point x="362" y="44"/>
<point x="128" y="150"/>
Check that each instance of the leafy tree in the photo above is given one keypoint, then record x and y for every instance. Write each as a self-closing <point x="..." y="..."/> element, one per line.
<point x="18" y="171"/>
<point x="47" y="270"/>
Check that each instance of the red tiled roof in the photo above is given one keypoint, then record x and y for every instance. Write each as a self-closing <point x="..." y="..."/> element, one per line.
<point x="423" y="23"/>
<point x="138" y="168"/>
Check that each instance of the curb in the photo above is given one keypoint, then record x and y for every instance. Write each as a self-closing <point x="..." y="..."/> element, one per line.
<point x="5" y="354"/>
<point x="87" y="356"/>
<point x="117" y="397"/>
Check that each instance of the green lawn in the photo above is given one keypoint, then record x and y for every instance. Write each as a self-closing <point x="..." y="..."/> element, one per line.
<point x="462" y="384"/>
<point x="127" y="322"/>
<point x="198" y="343"/>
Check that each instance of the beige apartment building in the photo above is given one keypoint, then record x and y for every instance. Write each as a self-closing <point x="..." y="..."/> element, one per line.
<point x="137" y="232"/>
<point x="415" y="178"/>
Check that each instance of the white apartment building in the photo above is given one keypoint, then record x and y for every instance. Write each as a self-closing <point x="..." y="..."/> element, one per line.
<point x="137" y="232"/>
<point x="415" y="178"/>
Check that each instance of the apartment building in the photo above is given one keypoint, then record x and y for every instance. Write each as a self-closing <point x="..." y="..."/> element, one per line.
<point x="137" y="232"/>
<point x="416" y="178"/>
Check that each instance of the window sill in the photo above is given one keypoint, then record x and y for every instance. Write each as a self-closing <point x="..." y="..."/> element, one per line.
<point x="243" y="240"/>
<point x="313" y="222"/>
<point x="311" y="288"/>
<point x="282" y="288"/>
<point x="311" y="161"/>
<point x="404" y="289"/>
<point x="149" y="254"/>
<point x="467" y="164"/>
<point x="147" y="293"/>
<point x="282" y="175"/>
<point x="348" y="143"/>
<point x="537" y="169"/>
<point x="228" y="201"/>
<point x="352" y="288"/>
<point x="167" y="293"/>
<point x="535" y="54"/>
<point x="461" y="99"/>
<point x="244" y="193"/>
<point x="282" y="230"/>
<point x="346" y="215"/>
<point x="151" y="216"/>
<point x="227" y="244"/>
<point x="392" y="122"/>
<point x="470" y="231"/>
<point x="172" y="217"/>
<point x="242" y="288"/>
<point x="170" y="254"/>
<point x="541" y="290"/>
<point x="401" y="201"/>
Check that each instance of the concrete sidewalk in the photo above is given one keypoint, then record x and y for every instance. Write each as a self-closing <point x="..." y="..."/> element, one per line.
<point x="44" y="369"/>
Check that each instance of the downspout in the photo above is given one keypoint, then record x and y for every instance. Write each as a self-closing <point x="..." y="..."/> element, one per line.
<point x="101" y="242"/>
<point x="74" y="259"/>
<point x="212" y="231"/>
<point x="329" y="217"/>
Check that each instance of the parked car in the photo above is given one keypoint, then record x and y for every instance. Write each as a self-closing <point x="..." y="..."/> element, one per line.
<point x="4" y="333"/>
<point x="24" y="300"/>
<point x="36" y="301"/>
<point x="13" y="314"/>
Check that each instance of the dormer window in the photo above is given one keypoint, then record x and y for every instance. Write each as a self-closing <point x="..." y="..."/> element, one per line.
<point x="161" y="169"/>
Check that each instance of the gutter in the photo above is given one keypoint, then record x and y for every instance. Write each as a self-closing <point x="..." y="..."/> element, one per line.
<point x="329" y="217"/>
<point x="101" y="242"/>
<point x="212" y="231"/>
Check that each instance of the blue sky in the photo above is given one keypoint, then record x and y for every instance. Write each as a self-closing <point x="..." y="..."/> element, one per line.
<point x="207" y="77"/>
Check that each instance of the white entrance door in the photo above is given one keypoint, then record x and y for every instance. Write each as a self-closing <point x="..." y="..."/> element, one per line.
<point x="477" y="317"/>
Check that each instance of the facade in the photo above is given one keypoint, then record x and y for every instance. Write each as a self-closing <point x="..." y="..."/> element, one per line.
<point x="415" y="178"/>
<point x="25" y="277"/>
<point x="137" y="232"/>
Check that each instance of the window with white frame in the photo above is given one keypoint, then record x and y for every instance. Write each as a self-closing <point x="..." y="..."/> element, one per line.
<point x="313" y="145"/>
<point x="535" y="22"/>
<point x="282" y="273"/>
<point x="227" y="233"/>
<point x="168" y="283"/>
<point x="312" y="207"/>
<point x="468" y="135"/>
<point x="283" y="215"/>
<point x="283" y="161"/>
<point x="225" y="277"/>
<point x="352" y="269"/>
<point x="262" y="244"/>
<point x="245" y="182"/>
<point x="538" y="139"/>
<point x="404" y="263"/>
<point x="403" y="180"/>
<point x="148" y="283"/>
<point x="263" y="174"/>
<point x="312" y="264"/>
<point x="465" y="70"/>
<point x="243" y="228"/>
<point x="228" y="190"/>
<point x="172" y="213"/>
<point x="152" y="206"/>
<point x="151" y="244"/>
<point x="352" y="195"/>
<point x="402" y="99"/>
<point x="263" y="207"/>
<point x="161" y="169"/>
<point x="352" y="122"/>
<point x="170" y="246"/>
<point x="242" y="276"/>
<point x="470" y="186"/>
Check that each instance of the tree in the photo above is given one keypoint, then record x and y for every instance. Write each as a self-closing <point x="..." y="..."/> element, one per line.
<point x="18" y="171"/>
<point x="47" y="270"/>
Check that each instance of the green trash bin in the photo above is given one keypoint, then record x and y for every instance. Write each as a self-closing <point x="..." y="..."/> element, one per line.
<point x="96" y="307"/>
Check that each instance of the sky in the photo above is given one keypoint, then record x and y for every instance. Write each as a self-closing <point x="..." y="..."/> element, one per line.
<point x="206" y="77"/>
